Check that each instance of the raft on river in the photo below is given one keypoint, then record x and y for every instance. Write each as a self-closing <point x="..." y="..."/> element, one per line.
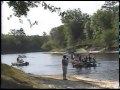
<point x="78" y="64"/>
<point x="20" y="64"/>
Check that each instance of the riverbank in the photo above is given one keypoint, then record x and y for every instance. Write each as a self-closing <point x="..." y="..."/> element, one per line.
<point x="79" y="82"/>
<point x="83" y="50"/>
<point x="91" y="52"/>
<point x="19" y="52"/>
<point x="14" y="78"/>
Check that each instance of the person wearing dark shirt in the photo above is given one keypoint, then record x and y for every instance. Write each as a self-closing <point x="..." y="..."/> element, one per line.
<point x="64" y="66"/>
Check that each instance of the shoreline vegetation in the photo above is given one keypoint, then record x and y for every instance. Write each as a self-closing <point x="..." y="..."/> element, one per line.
<point x="78" y="51"/>
<point x="62" y="52"/>
<point x="15" y="78"/>
<point x="84" y="51"/>
<point x="91" y="52"/>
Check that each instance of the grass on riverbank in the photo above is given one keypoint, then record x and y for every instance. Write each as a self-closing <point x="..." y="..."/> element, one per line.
<point x="14" y="78"/>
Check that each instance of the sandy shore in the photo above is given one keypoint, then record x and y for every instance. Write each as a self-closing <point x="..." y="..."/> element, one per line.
<point x="75" y="82"/>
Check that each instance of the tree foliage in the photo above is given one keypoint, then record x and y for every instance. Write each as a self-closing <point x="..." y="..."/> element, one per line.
<point x="58" y="36"/>
<point x="109" y="37"/>
<point x="75" y="21"/>
<point x="99" y="29"/>
<point x="17" y="32"/>
<point x="80" y="28"/>
<point x="11" y="43"/>
<point x="21" y="8"/>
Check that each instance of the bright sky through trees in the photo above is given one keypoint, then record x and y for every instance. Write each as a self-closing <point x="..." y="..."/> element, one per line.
<point x="46" y="19"/>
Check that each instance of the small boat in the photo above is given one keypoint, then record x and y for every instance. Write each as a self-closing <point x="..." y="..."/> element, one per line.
<point x="77" y="64"/>
<point x="84" y="65"/>
<point x="20" y="64"/>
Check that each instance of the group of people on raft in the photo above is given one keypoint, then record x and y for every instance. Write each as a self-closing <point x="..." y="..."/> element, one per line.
<point x="19" y="60"/>
<point x="86" y="61"/>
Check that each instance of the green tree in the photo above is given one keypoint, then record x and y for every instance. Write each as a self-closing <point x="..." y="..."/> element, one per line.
<point x="110" y="5"/>
<point x="21" y="8"/>
<point x="113" y="8"/>
<point x="88" y="31"/>
<point x="11" y="43"/>
<point x="45" y="36"/>
<point x="100" y="21"/>
<point x="58" y="36"/>
<point x="47" y="46"/>
<point x="8" y="43"/>
<point x="75" y="21"/>
<point x="109" y="37"/>
<point x="104" y="22"/>
<point x="17" y="32"/>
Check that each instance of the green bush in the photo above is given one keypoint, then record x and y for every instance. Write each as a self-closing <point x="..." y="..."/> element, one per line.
<point x="98" y="41"/>
<point x="109" y="37"/>
<point x="48" y="46"/>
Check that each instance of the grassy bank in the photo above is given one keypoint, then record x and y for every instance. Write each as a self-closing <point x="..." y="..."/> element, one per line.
<point x="14" y="78"/>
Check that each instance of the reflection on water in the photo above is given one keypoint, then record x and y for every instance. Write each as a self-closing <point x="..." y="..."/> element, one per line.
<point x="50" y="64"/>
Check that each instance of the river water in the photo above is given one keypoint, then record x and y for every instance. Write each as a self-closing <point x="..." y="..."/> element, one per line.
<point x="50" y="64"/>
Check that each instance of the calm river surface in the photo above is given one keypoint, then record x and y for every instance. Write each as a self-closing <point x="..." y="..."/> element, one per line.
<point x="50" y="64"/>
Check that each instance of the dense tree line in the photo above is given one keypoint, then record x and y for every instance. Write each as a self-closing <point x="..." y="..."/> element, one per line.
<point x="98" y="30"/>
<point x="17" y="41"/>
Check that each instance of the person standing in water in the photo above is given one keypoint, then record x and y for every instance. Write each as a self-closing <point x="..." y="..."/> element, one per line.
<point x="64" y="66"/>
